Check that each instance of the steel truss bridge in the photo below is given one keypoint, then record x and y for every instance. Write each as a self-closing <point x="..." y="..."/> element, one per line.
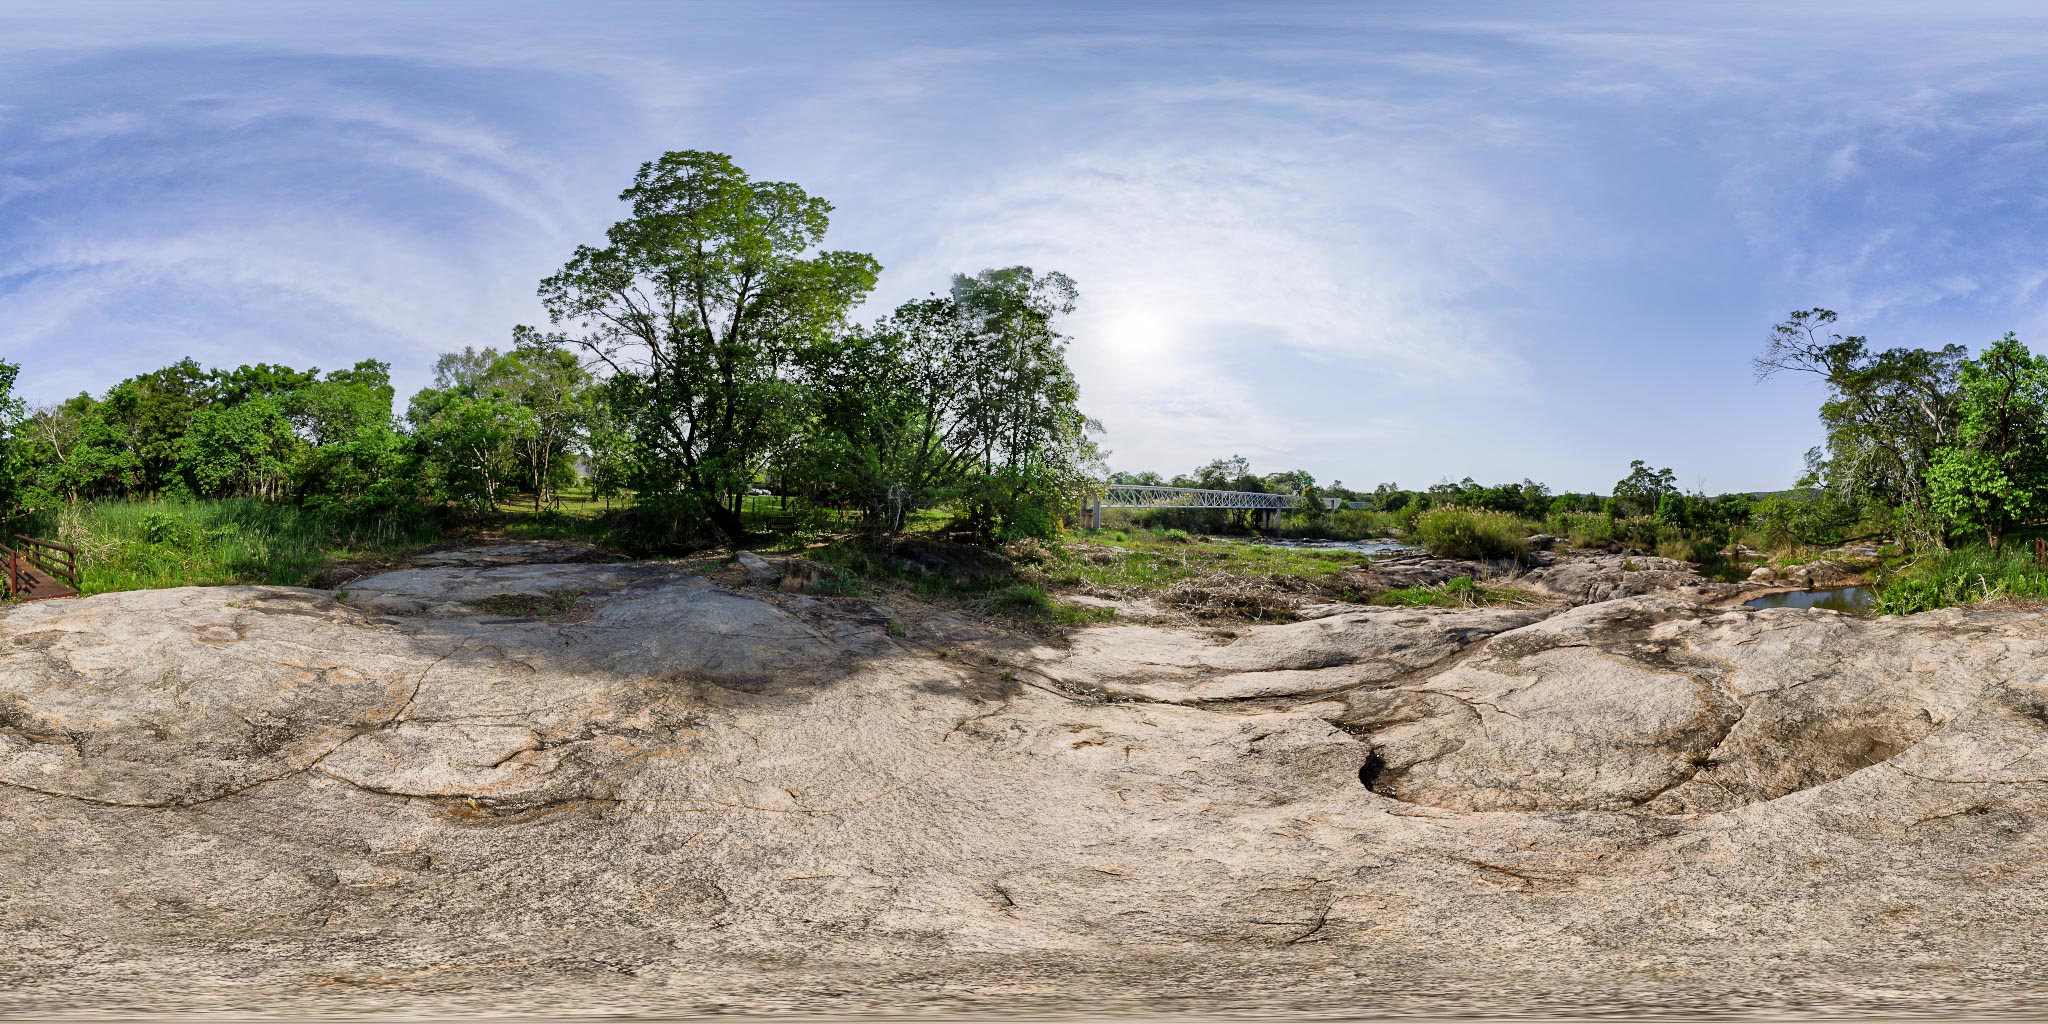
<point x="1151" y="496"/>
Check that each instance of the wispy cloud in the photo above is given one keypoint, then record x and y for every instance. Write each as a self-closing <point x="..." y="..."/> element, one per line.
<point x="1374" y="242"/>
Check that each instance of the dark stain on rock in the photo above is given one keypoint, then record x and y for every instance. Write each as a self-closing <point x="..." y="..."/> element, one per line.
<point x="40" y="640"/>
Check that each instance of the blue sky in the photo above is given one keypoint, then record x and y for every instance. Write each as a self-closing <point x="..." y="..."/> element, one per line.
<point x="1381" y="242"/>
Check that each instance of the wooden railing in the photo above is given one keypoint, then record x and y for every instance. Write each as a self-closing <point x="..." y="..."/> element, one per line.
<point x="36" y="570"/>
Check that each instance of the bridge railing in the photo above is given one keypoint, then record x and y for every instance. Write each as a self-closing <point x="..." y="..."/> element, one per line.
<point x="1153" y="496"/>
<point x="1157" y="496"/>
<point x="35" y="569"/>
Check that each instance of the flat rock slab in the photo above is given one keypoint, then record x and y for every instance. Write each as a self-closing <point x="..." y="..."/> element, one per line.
<point x="647" y="794"/>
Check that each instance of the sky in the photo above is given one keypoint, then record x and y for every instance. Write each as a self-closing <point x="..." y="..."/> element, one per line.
<point x="1380" y="242"/>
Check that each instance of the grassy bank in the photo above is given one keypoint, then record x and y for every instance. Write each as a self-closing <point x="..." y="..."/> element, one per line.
<point x="149" y="545"/>
<point x="1962" y="575"/>
<point x="154" y="544"/>
<point x="1208" y="575"/>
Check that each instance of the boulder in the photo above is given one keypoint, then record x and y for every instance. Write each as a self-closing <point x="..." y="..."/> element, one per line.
<point x="760" y="572"/>
<point x="1763" y="574"/>
<point x="1585" y="578"/>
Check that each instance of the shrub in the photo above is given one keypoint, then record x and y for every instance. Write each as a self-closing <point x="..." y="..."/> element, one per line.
<point x="1405" y="517"/>
<point x="1581" y="529"/>
<point x="1177" y="537"/>
<point x="159" y="526"/>
<point x="1453" y="532"/>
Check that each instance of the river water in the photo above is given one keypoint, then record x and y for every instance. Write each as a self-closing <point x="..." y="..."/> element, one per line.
<point x="1854" y="600"/>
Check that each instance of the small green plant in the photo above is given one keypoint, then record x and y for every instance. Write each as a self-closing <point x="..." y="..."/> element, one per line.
<point x="896" y="629"/>
<point x="842" y="581"/>
<point x="1177" y="537"/>
<point x="159" y="527"/>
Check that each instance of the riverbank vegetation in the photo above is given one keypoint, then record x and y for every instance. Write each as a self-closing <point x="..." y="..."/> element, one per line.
<point x="700" y="381"/>
<point x="1169" y="571"/>
<point x="701" y="358"/>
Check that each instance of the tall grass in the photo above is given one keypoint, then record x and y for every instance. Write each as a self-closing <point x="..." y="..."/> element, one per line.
<point x="1938" y="579"/>
<point x="146" y="545"/>
<point x="1453" y="532"/>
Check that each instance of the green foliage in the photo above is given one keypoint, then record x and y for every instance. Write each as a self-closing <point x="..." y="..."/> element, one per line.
<point x="496" y="420"/>
<point x="14" y="455"/>
<point x="1813" y="517"/>
<point x="702" y="306"/>
<point x="1887" y="415"/>
<point x="149" y="545"/>
<point x="1453" y="593"/>
<point x="1940" y="578"/>
<point x="1457" y="592"/>
<point x="1642" y="492"/>
<point x="1581" y="529"/>
<point x="159" y="526"/>
<point x="255" y="431"/>
<point x="1454" y="532"/>
<point x="1995" y="475"/>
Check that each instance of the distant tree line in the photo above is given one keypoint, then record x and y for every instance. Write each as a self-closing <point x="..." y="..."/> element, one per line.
<point x="1646" y="493"/>
<point x="706" y="350"/>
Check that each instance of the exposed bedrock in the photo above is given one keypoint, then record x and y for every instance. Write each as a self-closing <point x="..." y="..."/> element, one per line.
<point x="510" y="785"/>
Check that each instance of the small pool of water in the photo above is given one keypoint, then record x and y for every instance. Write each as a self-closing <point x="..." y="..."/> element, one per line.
<point x="1369" y="547"/>
<point x="1853" y="600"/>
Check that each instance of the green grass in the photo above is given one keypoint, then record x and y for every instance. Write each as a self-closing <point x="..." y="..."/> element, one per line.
<point x="1939" y="579"/>
<point x="1156" y="560"/>
<point x="1460" y="592"/>
<point x="149" y="545"/>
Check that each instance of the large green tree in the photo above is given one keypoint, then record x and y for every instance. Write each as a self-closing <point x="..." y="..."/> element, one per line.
<point x="1995" y="476"/>
<point x="1887" y="414"/>
<point x="700" y="307"/>
<point x="890" y="436"/>
<point x="1642" y="490"/>
<point x="964" y="398"/>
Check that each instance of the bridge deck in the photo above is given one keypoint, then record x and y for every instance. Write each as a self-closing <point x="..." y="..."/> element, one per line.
<point x="38" y="570"/>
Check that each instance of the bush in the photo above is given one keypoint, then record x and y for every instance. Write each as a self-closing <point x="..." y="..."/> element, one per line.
<point x="1453" y="532"/>
<point x="159" y="527"/>
<point x="1581" y="529"/>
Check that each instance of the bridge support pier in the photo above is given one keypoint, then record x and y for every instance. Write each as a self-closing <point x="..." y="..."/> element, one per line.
<point x="1095" y="515"/>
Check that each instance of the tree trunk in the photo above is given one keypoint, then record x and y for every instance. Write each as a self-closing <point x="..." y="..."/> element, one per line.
<point x="728" y="523"/>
